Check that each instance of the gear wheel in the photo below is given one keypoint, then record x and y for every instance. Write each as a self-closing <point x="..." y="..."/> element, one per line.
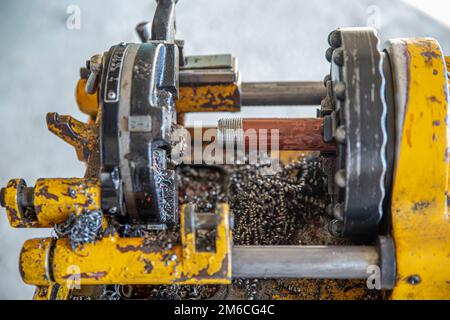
<point x="355" y="118"/>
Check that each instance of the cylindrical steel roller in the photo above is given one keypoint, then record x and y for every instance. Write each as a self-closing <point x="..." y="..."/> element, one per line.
<point x="302" y="134"/>
<point x="311" y="262"/>
<point x="282" y="93"/>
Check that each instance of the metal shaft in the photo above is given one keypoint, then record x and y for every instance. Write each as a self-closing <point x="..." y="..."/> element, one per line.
<point x="299" y="93"/>
<point x="302" y="134"/>
<point x="309" y="262"/>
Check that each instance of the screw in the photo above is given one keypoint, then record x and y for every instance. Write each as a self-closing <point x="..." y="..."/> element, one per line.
<point x="339" y="91"/>
<point x="339" y="178"/>
<point x="338" y="211"/>
<point x="326" y="79"/>
<point x="341" y="134"/>
<point x="329" y="54"/>
<point x="334" y="39"/>
<point x="113" y="210"/>
<point x="414" y="279"/>
<point x="338" y="57"/>
<point x="111" y="95"/>
<point x="335" y="227"/>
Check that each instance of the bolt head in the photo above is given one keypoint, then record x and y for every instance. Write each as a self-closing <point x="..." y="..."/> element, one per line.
<point x="341" y="134"/>
<point x="338" y="57"/>
<point x="112" y="95"/>
<point x="335" y="39"/>
<point x="326" y="79"/>
<point x="329" y="54"/>
<point x="335" y="227"/>
<point x="95" y="63"/>
<point x="339" y="178"/>
<point x="414" y="279"/>
<point x="338" y="211"/>
<point x="339" y="91"/>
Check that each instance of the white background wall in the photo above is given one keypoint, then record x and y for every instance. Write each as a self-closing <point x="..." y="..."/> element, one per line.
<point x="40" y="58"/>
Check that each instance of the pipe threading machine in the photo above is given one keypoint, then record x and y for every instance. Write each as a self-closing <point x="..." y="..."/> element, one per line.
<point x="382" y="132"/>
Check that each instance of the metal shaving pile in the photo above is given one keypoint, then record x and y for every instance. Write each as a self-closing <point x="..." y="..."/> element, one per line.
<point x="202" y="186"/>
<point x="82" y="229"/>
<point x="269" y="209"/>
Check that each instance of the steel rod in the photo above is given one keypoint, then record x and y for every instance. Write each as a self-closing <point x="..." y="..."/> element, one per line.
<point x="299" y="93"/>
<point x="305" y="134"/>
<point x="308" y="262"/>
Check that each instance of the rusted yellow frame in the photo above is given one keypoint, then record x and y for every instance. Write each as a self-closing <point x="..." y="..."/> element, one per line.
<point x="54" y="200"/>
<point x="421" y="224"/>
<point x="115" y="260"/>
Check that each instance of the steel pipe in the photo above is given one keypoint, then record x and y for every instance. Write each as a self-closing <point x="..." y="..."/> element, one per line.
<point x="300" y="93"/>
<point x="309" y="262"/>
<point x="302" y="134"/>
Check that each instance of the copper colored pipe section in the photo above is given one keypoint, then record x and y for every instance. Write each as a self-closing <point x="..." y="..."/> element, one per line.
<point x="305" y="134"/>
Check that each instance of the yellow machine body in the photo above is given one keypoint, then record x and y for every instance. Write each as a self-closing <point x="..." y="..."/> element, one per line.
<point x="115" y="260"/>
<point x="54" y="200"/>
<point x="420" y="218"/>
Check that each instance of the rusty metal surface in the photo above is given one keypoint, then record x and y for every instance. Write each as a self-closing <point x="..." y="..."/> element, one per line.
<point x="56" y="199"/>
<point x="119" y="260"/>
<point x="305" y="134"/>
<point x="209" y="98"/>
<point x="18" y="215"/>
<point x="83" y="137"/>
<point x="52" y="201"/>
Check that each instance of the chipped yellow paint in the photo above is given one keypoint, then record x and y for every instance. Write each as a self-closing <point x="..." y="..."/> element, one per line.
<point x="55" y="199"/>
<point x="200" y="266"/>
<point x="53" y="292"/>
<point x="87" y="103"/>
<point x="115" y="260"/>
<point x="17" y="215"/>
<point x="33" y="261"/>
<point x="209" y="98"/>
<point x="421" y="224"/>
<point x="82" y="136"/>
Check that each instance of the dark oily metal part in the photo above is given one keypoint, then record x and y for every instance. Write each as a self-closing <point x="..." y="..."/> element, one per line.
<point x="385" y="224"/>
<point x="388" y="263"/>
<point x="152" y="182"/>
<point x="163" y="27"/>
<point x="326" y="79"/>
<point x="135" y="147"/>
<point x="334" y="39"/>
<point x="329" y="54"/>
<point x="339" y="91"/>
<point x="111" y="186"/>
<point x="363" y="113"/>
<point x="338" y="211"/>
<point x="338" y="57"/>
<point x="335" y="228"/>
<point x="144" y="32"/>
